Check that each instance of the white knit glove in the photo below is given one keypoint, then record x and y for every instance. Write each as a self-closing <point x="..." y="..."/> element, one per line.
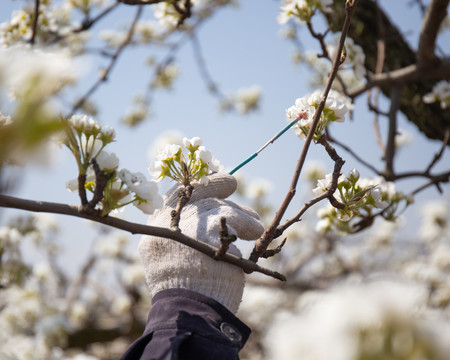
<point x="169" y="264"/>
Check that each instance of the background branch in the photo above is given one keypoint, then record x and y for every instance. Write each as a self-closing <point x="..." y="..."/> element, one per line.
<point x="400" y="64"/>
<point x="105" y="73"/>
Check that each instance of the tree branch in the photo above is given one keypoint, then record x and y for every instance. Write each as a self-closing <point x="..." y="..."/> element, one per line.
<point x="263" y="242"/>
<point x="392" y="132"/>
<point x="35" y="22"/>
<point x="104" y="76"/>
<point x="400" y="66"/>
<point x="436" y="13"/>
<point x="133" y="228"/>
<point x="87" y="23"/>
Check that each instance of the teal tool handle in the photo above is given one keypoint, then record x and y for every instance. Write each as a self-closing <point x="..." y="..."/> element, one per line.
<point x="243" y="163"/>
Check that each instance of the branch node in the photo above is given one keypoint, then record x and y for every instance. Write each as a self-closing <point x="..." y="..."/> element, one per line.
<point x="272" y="252"/>
<point x="225" y="239"/>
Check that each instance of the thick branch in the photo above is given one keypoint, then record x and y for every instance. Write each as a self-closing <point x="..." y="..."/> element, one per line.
<point x="133" y="228"/>
<point x="400" y="65"/>
<point x="436" y="13"/>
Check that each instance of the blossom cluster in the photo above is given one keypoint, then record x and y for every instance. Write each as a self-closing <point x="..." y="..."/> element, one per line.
<point x="302" y="10"/>
<point x="174" y="164"/>
<point x="56" y="24"/>
<point x="441" y="93"/>
<point x="87" y="140"/>
<point x="304" y="110"/>
<point x="244" y="101"/>
<point x="359" y="198"/>
<point x="378" y="320"/>
<point x="169" y="16"/>
<point x="37" y="313"/>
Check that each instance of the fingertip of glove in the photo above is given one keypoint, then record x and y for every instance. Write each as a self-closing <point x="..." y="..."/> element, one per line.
<point x="220" y="186"/>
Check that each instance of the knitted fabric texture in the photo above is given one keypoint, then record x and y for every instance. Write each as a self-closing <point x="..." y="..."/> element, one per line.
<point x="169" y="264"/>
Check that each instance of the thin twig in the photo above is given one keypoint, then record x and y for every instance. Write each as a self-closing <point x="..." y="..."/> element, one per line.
<point x="381" y="53"/>
<point x="87" y="23"/>
<point x="272" y="252"/>
<point x="75" y="291"/>
<point x="389" y="154"/>
<point x="352" y="153"/>
<point x="441" y="152"/>
<point x="105" y="73"/>
<point x="263" y="242"/>
<point x="201" y="64"/>
<point x="134" y="228"/>
<point x="328" y="194"/>
<point x="184" y="196"/>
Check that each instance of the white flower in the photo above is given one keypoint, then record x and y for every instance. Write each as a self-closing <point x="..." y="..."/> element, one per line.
<point x="195" y="142"/>
<point x="121" y="305"/>
<point x="207" y="157"/>
<point x="91" y="147"/>
<point x="440" y="92"/>
<point x="42" y="271"/>
<point x="247" y="99"/>
<point x="339" y="318"/>
<point x="35" y="72"/>
<point x="5" y="120"/>
<point x="168" y="137"/>
<point x="258" y="188"/>
<point x="402" y="138"/>
<point x="377" y="197"/>
<point x="113" y="38"/>
<point x="148" y="207"/>
<point x="111" y="246"/>
<point x="146" y="190"/>
<point x="168" y="152"/>
<point x="155" y="169"/>
<point x="107" y="161"/>
<point x="108" y="132"/>
<point x="133" y="274"/>
<point x="323" y="184"/>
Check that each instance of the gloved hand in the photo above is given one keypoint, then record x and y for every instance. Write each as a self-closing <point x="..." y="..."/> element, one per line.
<point x="169" y="264"/>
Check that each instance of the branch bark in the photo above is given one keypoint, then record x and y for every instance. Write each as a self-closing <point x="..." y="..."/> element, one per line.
<point x="401" y="63"/>
<point x="264" y="241"/>
<point x="134" y="228"/>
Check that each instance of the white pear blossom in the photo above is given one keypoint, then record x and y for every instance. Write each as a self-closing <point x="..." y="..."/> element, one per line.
<point x="247" y="99"/>
<point x="167" y="137"/>
<point x="195" y="142"/>
<point x="301" y="10"/>
<point x="441" y="93"/>
<point x="342" y="317"/>
<point x="35" y="72"/>
<point x="5" y="120"/>
<point x="169" y="151"/>
<point x="107" y="161"/>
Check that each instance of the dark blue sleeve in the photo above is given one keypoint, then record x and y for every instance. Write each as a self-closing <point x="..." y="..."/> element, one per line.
<point x="185" y="325"/>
